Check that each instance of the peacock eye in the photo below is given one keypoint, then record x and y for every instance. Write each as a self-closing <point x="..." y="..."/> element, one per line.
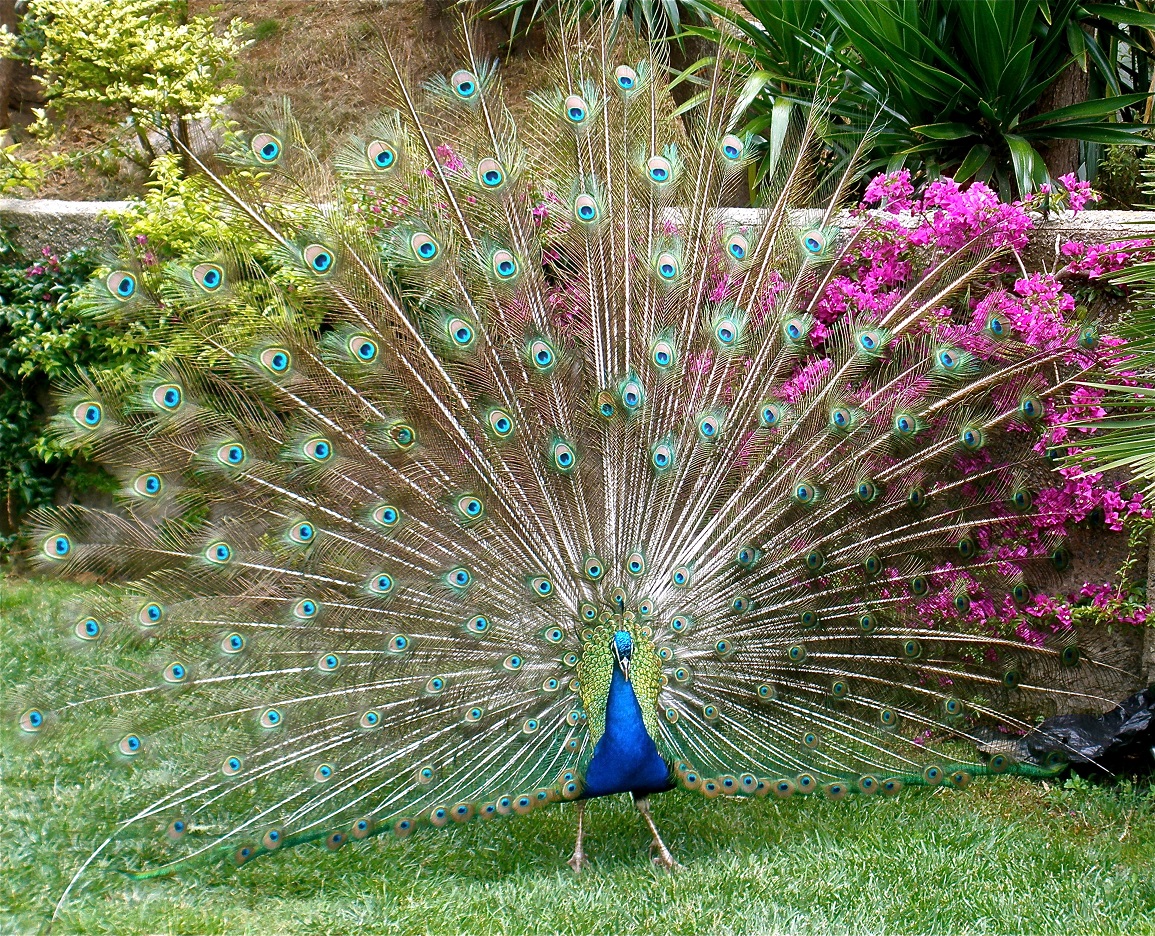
<point x="813" y="242"/>
<point x="732" y="147"/>
<point x="232" y="454"/>
<point x="632" y="395"/>
<point x="208" y="276"/>
<point x="58" y="546"/>
<point x="662" y="457"/>
<point x="541" y="586"/>
<point x="88" y="414"/>
<point x="464" y="84"/>
<point x="470" y="507"/>
<point x="575" y="109"/>
<point x="636" y="563"/>
<point x="663" y="354"/>
<point x="175" y="673"/>
<point x="726" y="331"/>
<point x="1032" y="408"/>
<point x="459" y="578"/>
<point x="585" y="209"/>
<point x="88" y="628"/>
<point x="150" y="614"/>
<point x="306" y="609"/>
<point x="302" y="532"/>
<point x="460" y="332"/>
<point x="381" y="155"/>
<point x="770" y="415"/>
<point x="363" y="349"/>
<point x="500" y="422"/>
<point x="218" y="553"/>
<point x="168" y="397"/>
<point x="490" y="173"/>
<point x="681" y="576"/>
<point x="667" y="266"/>
<point x="563" y="456"/>
<point x="504" y="265"/>
<point x="121" y="284"/>
<point x="319" y="259"/>
<point x="232" y="643"/>
<point x="998" y="326"/>
<point x="594" y="568"/>
<point x="266" y="147"/>
<point x="424" y="247"/>
<point x="737" y="247"/>
<point x="659" y="170"/>
<point x="708" y="427"/>
<point x="625" y="78"/>
<point x="318" y="449"/>
<point x="276" y="360"/>
<point x="542" y="355"/>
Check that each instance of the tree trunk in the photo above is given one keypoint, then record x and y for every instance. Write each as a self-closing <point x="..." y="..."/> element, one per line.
<point x="9" y="19"/>
<point x="1062" y="156"/>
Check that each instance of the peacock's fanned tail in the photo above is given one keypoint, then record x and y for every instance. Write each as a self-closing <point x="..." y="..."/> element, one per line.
<point x="437" y="417"/>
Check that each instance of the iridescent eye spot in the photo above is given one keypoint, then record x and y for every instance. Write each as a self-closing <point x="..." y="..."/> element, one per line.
<point x="594" y="569"/>
<point x="232" y="454"/>
<point x="1088" y="338"/>
<point x="679" y="624"/>
<point x="541" y="355"/>
<point x="32" y="721"/>
<point x="962" y="604"/>
<point x="585" y="208"/>
<point x="57" y="547"/>
<point x="167" y="397"/>
<point x="1032" y="408"/>
<point x="662" y="457"/>
<point x="323" y="773"/>
<point x="948" y="359"/>
<point x="554" y="635"/>
<point x="478" y="624"/>
<point x="147" y="485"/>
<point x="726" y="331"/>
<point x="363" y="349"/>
<point x="319" y="259"/>
<point x="233" y="643"/>
<point x="513" y="662"/>
<point x="905" y="424"/>
<point x="370" y="719"/>
<point x="542" y="586"/>
<point x="805" y="493"/>
<point x="504" y="265"/>
<point x="997" y="326"/>
<point x="625" y="77"/>
<point x="872" y="565"/>
<point x="464" y="84"/>
<point x="809" y="619"/>
<point x="667" y="266"/>
<point x="270" y="718"/>
<point x="659" y="170"/>
<point x="1021" y="500"/>
<point x="814" y="242"/>
<point x="737" y="247"/>
<point x="399" y="643"/>
<point x="424" y="247"/>
<point x="305" y="609"/>
<point x="470" y="507"/>
<point x="663" y="354"/>
<point x="266" y="147"/>
<point x="645" y="607"/>
<point x="840" y="417"/>
<point x="208" y="276"/>
<point x="866" y="491"/>
<point x="732" y="147"/>
<point x="328" y="662"/>
<point x="681" y="576"/>
<point x="708" y="428"/>
<point x="867" y="623"/>
<point x="770" y="415"/>
<point x="563" y="456"/>
<point x="176" y="829"/>
<point x="588" y="613"/>
<point x="121" y="284"/>
<point x="381" y="154"/>
<point x="318" y="449"/>
<point x="151" y="614"/>
<point x="972" y="438"/>
<point x="632" y="395"/>
<point x="474" y="714"/>
<point x="490" y="173"/>
<point x="501" y="423"/>
<point x="218" y="553"/>
<point x="88" y="629"/>
<point x="175" y="673"/>
<point x="575" y="109"/>
<point x="88" y="414"/>
<point x="796" y="654"/>
<point x="551" y="684"/>
<point x="130" y="745"/>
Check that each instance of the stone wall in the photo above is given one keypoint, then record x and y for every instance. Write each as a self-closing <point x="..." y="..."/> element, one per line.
<point x="66" y="225"/>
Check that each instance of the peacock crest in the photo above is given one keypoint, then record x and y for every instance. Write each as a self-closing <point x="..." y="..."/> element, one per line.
<point x="493" y="459"/>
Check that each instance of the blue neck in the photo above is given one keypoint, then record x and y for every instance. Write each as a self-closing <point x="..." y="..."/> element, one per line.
<point x="625" y="759"/>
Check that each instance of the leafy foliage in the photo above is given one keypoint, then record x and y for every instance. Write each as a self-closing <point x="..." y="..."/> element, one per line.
<point x="956" y="84"/>
<point x="146" y="61"/>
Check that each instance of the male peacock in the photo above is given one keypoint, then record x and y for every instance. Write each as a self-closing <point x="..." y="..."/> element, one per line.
<point x="494" y="467"/>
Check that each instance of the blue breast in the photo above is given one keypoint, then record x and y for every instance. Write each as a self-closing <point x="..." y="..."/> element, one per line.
<point x="625" y="759"/>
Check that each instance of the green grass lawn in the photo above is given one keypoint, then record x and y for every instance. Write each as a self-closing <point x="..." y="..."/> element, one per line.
<point x="1005" y="856"/>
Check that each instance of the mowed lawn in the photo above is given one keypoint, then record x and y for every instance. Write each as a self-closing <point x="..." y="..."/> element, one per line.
<point x="1004" y="856"/>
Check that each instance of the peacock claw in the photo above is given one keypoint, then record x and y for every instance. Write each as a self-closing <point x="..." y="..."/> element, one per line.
<point x="661" y="856"/>
<point x="578" y="861"/>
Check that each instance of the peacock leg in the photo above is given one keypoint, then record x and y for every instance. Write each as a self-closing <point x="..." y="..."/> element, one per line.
<point x="663" y="856"/>
<point x="578" y="861"/>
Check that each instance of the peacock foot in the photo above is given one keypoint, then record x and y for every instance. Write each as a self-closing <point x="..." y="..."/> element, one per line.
<point x="662" y="857"/>
<point x="578" y="861"/>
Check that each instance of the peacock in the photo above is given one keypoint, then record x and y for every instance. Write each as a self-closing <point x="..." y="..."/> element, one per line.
<point x="490" y="464"/>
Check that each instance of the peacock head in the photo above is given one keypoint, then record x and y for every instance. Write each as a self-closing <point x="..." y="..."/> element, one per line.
<point x="622" y="646"/>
